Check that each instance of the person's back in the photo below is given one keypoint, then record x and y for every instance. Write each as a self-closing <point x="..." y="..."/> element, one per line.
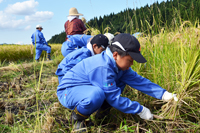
<point x="74" y="42"/>
<point x="35" y="38"/>
<point x="76" y="26"/>
<point x="71" y="60"/>
<point x="77" y="41"/>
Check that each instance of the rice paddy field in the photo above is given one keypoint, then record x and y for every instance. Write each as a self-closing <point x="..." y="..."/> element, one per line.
<point x="28" y="100"/>
<point x="22" y="53"/>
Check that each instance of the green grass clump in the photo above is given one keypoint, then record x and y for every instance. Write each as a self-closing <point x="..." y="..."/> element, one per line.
<point x="173" y="62"/>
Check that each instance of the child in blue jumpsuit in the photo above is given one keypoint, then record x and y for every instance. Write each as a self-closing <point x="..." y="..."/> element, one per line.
<point x="97" y="44"/>
<point x="78" y="41"/>
<point x="74" y="42"/>
<point x="86" y="86"/>
<point x="41" y="44"/>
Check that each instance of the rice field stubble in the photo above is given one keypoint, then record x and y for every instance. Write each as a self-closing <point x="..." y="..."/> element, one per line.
<point x="29" y="102"/>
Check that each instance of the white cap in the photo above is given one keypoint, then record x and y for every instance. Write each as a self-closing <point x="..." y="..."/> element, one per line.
<point x="38" y="26"/>
<point x="109" y="36"/>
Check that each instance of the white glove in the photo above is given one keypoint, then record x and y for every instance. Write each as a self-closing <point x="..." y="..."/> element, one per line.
<point x="146" y="114"/>
<point x="168" y="96"/>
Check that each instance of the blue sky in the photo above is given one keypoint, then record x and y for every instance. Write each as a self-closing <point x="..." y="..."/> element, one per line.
<point x="18" y="18"/>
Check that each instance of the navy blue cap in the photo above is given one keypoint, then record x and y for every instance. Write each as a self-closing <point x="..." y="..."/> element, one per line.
<point x="100" y="40"/>
<point x="129" y="44"/>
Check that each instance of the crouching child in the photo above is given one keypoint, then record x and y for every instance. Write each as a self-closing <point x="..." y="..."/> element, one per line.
<point x="101" y="79"/>
<point x="95" y="46"/>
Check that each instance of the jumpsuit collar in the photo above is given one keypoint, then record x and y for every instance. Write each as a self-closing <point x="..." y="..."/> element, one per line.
<point x="89" y="46"/>
<point x="110" y="55"/>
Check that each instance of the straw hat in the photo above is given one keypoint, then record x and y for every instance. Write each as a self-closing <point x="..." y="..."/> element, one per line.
<point x="73" y="12"/>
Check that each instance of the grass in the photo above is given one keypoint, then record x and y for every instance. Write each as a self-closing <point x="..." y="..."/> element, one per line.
<point x="174" y="64"/>
<point x="28" y="101"/>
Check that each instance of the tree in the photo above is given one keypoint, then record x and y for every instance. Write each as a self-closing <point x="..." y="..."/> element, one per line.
<point x="149" y="19"/>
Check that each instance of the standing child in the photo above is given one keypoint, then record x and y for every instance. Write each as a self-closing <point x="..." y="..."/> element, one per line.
<point x="102" y="78"/>
<point x="40" y="43"/>
<point x="97" y="44"/>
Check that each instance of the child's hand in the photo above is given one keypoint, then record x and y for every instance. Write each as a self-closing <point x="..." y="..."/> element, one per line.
<point x="169" y="96"/>
<point x="146" y="114"/>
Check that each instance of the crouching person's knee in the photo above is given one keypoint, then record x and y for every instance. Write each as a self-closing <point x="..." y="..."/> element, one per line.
<point x="90" y="104"/>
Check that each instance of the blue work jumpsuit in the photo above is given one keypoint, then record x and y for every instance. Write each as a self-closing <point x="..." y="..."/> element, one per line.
<point x="71" y="60"/>
<point x="74" y="41"/>
<point x="96" y="79"/>
<point x="41" y="44"/>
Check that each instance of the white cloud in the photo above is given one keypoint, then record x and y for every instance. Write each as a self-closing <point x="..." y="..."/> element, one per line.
<point x="19" y="42"/>
<point x="22" y="8"/>
<point x="1" y="1"/>
<point x="39" y="16"/>
<point x="27" y="27"/>
<point x="9" y="22"/>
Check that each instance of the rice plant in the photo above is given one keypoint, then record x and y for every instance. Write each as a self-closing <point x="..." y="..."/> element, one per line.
<point x="17" y="53"/>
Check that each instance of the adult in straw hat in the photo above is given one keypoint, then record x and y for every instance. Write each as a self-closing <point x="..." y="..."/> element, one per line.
<point x="74" y="28"/>
<point x="74" y="25"/>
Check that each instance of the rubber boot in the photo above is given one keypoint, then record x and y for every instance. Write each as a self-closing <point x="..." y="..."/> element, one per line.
<point x="101" y="115"/>
<point x="49" y="56"/>
<point x="78" y="120"/>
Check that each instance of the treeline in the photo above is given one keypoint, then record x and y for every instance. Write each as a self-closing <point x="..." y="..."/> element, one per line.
<point x="58" y="38"/>
<point x="148" y="19"/>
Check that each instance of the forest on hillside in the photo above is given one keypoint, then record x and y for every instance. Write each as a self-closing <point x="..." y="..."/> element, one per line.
<point x="147" y="19"/>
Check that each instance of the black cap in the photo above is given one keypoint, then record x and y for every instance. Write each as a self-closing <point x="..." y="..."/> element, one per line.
<point x="100" y="40"/>
<point x="129" y="44"/>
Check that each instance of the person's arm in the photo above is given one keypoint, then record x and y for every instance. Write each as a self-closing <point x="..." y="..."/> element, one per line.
<point x="145" y="85"/>
<point x="42" y="38"/>
<point x="142" y="84"/>
<point x="105" y="79"/>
